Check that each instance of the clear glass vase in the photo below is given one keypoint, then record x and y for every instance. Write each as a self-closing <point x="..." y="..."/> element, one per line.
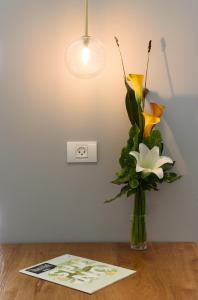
<point x="138" y="222"/>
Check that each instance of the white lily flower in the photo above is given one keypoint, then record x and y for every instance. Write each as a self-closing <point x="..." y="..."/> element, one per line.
<point x="149" y="161"/>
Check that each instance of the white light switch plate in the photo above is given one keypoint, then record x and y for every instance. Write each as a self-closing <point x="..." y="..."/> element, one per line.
<point x="82" y="152"/>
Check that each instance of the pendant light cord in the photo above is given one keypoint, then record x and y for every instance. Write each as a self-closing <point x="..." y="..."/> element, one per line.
<point x="86" y="17"/>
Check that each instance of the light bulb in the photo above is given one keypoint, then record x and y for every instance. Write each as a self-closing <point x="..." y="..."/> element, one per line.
<point x="85" y="57"/>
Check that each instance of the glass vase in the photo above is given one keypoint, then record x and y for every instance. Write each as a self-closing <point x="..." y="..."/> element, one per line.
<point x="138" y="222"/>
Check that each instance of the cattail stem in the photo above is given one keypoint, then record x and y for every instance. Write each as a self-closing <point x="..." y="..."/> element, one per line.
<point x="122" y="61"/>
<point x="147" y="65"/>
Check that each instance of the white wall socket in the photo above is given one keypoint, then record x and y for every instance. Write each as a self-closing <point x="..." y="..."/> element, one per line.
<point x="82" y="152"/>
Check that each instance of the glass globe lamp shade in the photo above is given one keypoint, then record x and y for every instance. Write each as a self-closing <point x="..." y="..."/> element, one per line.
<point x="85" y="57"/>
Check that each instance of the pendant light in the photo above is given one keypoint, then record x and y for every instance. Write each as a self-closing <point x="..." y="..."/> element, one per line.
<point x="85" y="57"/>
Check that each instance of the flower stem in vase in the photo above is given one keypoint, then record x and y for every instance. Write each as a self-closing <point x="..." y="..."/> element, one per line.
<point x="138" y="230"/>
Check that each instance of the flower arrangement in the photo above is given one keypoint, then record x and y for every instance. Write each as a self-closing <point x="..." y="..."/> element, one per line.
<point x="143" y="167"/>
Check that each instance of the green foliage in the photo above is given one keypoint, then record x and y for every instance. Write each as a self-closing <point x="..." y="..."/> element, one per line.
<point x="171" y="177"/>
<point x="129" y="180"/>
<point x="134" y="183"/>
<point x="123" y="191"/>
<point x="150" y="183"/>
<point x="154" y="139"/>
<point x="167" y="167"/>
<point x="131" y="105"/>
<point x="127" y="176"/>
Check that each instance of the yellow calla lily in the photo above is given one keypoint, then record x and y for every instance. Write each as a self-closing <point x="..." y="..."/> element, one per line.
<point x="150" y="120"/>
<point x="137" y="82"/>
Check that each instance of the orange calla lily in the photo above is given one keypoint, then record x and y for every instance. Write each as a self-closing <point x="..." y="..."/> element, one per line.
<point x="150" y="120"/>
<point x="137" y="82"/>
<point x="157" y="109"/>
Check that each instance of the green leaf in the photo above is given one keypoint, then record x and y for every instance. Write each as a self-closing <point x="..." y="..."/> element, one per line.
<point x="171" y="177"/>
<point x="133" y="141"/>
<point x="126" y="160"/>
<point x="155" y="139"/>
<point x="167" y="167"/>
<point x="123" y="156"/>
<point x="119" y="181"/>
<point x="134" y="183"/>
<point x="152" y="187"/>
<point x="122" y="177"/>
<point x="131" y="105"/>
<point x="150" y="182"/>
<point x="123" y="191"/>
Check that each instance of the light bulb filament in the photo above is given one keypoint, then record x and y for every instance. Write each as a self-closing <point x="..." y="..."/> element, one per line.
<point x="85" y="55"/>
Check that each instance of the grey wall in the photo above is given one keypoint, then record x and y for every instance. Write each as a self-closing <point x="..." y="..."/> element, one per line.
<point x="42" y="106"/>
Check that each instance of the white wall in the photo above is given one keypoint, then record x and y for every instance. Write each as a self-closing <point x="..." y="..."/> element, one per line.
<point x="42" y="106"/>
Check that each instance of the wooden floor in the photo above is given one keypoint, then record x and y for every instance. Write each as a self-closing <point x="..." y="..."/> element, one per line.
<point x="165" y="271"/>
